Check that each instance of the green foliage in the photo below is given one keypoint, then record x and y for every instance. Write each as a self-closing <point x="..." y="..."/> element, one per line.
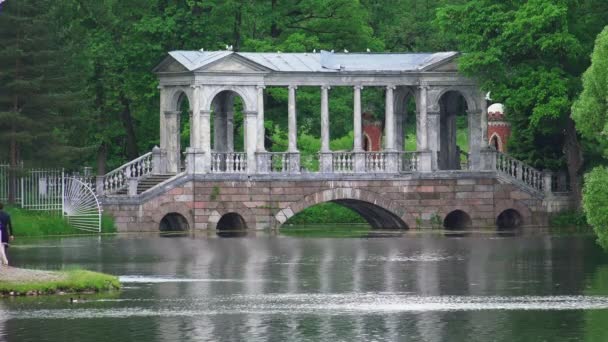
<point x="72" y="281"/>
<point x="590" y="111"/>
<point x="529" y="55"/>
<point x="569" y="219"/>
<point x="41" y="223"/>
<point x="215" y="192"/>
<point x="334" y="231"/>
<point x="595" y="202"/>
<point x="325" y="213"/>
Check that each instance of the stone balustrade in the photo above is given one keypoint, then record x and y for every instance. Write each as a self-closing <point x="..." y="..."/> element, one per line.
<point x="518" y="170"/>
<point x="118" y="179"/>
<point x="228" y="162"/>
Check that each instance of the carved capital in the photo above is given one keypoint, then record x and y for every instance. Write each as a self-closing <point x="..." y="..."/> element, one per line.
<point x="260" y="87"/>
<point x="326" y="87"/>
<point x="358" y="87"/>
<point x="292" y="86"/>
<point x="391" y="87"/>
<point x="170" y="113"/>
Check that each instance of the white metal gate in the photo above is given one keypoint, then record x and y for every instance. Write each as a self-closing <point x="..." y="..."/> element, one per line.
<point x="53" y="190"/>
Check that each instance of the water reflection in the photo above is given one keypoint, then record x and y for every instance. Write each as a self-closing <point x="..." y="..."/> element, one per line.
<point x="419" y="287"/>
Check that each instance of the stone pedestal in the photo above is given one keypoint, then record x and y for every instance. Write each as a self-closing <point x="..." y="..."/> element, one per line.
<point x="485" y="162"/>
<point x="326" y="162"/>
<point x="425" y="161"/>
<point x="392" y="162"/>
<point x="158" y="161"/>
<point x="99" y="180"/>
<point x="263" y="160"/>
<point x="195" y="160"/>
<point x="359" y="162"/>
<point x="547" y="182"/>
<point x="294" y="162"/>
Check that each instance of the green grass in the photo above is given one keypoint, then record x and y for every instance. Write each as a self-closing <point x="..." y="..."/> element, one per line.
<point x="75" y="281"/>
<point x="325" y="213"/>
<point x="42" y="223"/>
<point x="333" y="231"/>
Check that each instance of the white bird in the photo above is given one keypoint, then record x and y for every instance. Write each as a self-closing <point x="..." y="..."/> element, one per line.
<point x="332" y="51"/>
<point x="202" y="50"/>
<point x="368" y="50"/>
<point x="488" y="98"/>
<point x="345" y="51"/>
<point x="227" y="47"/>
<point x="314" y="50"/>
<point x="278" y="51"/>
<point x="230" y="48"/>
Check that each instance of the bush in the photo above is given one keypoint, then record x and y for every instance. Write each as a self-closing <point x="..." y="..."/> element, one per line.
<point x="595" y="202"/>
<point x="570" y="218"/>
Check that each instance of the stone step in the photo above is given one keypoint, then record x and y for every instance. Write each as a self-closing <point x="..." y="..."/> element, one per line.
<point x="147" y="183"/>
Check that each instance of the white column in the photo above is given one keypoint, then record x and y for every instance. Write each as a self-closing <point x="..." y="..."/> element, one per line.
<point x="389" y="119"/>
<point x="357" y="127"/>
<point x="326" y="156"/>
<point x="250" y="139"/>
<point x="325" y="118"/>
<point x="260" y="120"/>
<point x="205" y="131"/>
<point x="195" y="118"/>
<point x="291" y="120"/>
<point x="173" y="141"/>
<point x="230" y="128"/>
<point x="421" y="120"/>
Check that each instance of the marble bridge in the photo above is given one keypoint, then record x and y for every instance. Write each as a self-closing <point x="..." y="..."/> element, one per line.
<point x="209" y="185"/>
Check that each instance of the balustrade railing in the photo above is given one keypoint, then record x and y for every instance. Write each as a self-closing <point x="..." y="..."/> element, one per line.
<point x="408" y="161"/>
<point x="116" y="180"/>
<point x="228" y="162"/>
<point x="343" y="162"/>
<point x="375" y="161"/>
<point x="519" y="170"/>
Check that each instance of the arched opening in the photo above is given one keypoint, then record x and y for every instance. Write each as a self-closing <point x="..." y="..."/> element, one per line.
<point x="509" y="219"/>
<point x="367" y="144"/>
<point x="453" y="132"/>
<point x="228" y="132"/>
<point x="405" y="124"/>
<point x="231" y="221"/>
<point x="348" y="211"/>
<point x="185" y="115"/>
<point x="457" y="220"/>
<point x="174" y="222"/>
<point x="494" y="143"/>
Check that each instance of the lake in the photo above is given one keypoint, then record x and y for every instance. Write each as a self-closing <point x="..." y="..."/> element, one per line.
<point x="388" y="287"/>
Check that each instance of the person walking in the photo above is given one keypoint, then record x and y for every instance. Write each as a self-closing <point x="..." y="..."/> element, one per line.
<point x="6" y="232"/>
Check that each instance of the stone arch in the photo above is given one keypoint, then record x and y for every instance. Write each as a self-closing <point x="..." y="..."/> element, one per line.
<point x="176" y="96"/>
<point x="247" y="93"/>
<point x="523" y="210"/>
<point x="509" y="219"/>
<point x="243" y="212"/>
<point x="457" y="220"/>
<point x="373" y="207"/>
<point x="165" y="208"/>
<point x="467" y="94"/>
<point x="231" y="221"/>
<point x="173" y="222"/>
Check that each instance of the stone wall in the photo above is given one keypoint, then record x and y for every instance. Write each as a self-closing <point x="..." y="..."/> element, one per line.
<point x="420" y="201"/>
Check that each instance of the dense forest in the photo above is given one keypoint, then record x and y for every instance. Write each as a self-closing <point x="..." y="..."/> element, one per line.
<point x="77" y="88"/>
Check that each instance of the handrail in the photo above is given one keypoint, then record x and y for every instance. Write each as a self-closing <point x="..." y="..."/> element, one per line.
<point x="519" y="170"/>
<point x="116" y="179"/>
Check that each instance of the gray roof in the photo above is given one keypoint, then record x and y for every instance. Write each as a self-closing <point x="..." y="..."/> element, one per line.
<point x="319" y="62"/>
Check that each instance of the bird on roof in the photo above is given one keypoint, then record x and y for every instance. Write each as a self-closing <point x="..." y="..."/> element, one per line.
<point x="332" y="51"/>
<point x="345" y="51"/>
<point x="202" y="50"/>
<point x="368" y="50"/>
<point x="314" y="50"/>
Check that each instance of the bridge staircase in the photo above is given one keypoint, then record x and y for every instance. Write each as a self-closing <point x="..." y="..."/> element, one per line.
<point x="146" y="183"/>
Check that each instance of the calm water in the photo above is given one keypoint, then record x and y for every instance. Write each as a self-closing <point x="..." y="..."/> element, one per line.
<point x="415" y="287"/>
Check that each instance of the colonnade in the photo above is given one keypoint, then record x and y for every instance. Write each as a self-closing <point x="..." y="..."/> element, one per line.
<point x="201" y="157"/>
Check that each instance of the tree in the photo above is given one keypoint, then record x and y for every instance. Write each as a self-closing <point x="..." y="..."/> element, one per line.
<point x="530" y="55"/>
<point x="590" y="112"/>
<point x="37" y="97"/>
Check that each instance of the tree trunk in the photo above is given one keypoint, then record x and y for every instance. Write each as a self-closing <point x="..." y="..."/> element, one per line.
<point x="274" y="28"/>
<point x="574" y="159"/>
<point x="127" y="122"/>
<point x="102" y="155"/>
<point x="238" y="19"/>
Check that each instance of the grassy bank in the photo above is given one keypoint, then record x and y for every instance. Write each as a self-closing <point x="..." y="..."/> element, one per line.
<point x="17" y="282"/>
<point x="42" y="223"/>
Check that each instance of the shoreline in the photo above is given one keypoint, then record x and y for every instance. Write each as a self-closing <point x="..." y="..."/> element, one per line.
<point x="27" y="282"/>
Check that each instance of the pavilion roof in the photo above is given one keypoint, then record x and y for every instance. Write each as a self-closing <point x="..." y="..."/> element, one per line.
<point x="319" y="62"/>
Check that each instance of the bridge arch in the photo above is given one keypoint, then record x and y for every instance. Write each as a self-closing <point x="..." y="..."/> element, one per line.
<point x="223" y="218"/>
<point x="509" y="219"/>
<point x="376" y="210"/>
<point x="457" y="220"/>
<point x="174" y="222"/>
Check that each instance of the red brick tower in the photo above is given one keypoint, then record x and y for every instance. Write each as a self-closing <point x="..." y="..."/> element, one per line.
<point x="372" y="133"/>
<point x="499" y="130"/>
